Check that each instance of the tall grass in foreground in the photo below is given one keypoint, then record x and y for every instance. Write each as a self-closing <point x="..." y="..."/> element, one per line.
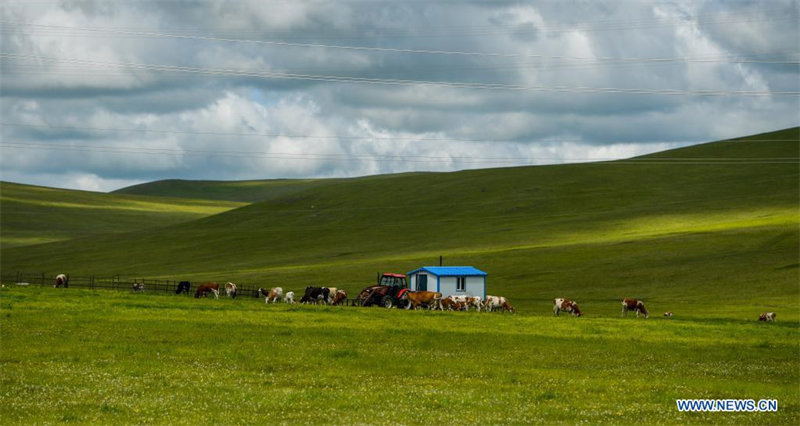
<point x="104" y="357"/>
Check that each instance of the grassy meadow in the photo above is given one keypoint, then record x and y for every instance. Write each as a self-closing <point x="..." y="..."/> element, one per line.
<point x="106" y="357"/>
<point x="710" y="232"/>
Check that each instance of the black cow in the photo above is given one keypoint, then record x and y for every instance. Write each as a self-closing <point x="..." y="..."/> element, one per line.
<point x="313" y="294"/>
<point x="183" y="286"/>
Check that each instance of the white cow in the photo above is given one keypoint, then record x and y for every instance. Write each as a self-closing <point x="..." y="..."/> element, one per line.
<point x="289" y="297"/>
<point x="230" y="290"/>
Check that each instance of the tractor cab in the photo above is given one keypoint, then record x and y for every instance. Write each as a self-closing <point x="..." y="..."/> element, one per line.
<point x="393" y="280"/>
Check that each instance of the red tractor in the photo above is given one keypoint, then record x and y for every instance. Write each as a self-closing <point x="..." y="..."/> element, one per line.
<point x="389" y="291"/>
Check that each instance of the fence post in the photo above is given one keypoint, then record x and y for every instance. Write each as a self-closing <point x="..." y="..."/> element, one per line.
<point x="42" y="279"/>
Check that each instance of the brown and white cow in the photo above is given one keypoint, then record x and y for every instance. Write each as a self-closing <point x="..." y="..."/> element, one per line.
<point x="61" y="279"/>
<point x="491" y="303"/>
<point x="230" y="290"/>
<point x="205" y="288"/>
<point x="137" y="287"/>
<point x="431" y="299"/>
<point x="339" y="297"/>
<point x="331" y="294"/>
<point x="450" y="304"/>
<point x="634" y="305"/>
<point x="468" y="302"/>
<point x="273" y="295"/>
<point x="667" y="314"/>
<point x="767" y="316"/>
<point x="494" y="303"/>
<point x="566" y="305"/>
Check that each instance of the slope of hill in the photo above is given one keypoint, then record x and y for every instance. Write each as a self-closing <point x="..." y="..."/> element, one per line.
<point x="34" y="215"/>
<point x="241" y="191"/>
<point x="655" y="229"/>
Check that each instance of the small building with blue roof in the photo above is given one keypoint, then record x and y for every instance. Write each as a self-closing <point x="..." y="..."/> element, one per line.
<point x="449" y="280"/>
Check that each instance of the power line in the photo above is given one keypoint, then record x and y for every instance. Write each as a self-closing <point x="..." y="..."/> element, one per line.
<point x="274" y="135"/>
<point x="265" y="154"/>
<point x="156" y="34"/>
<point x="349" y="137"/>
<point x="396" y="158"/>
<point x="558" y="65"/>
<point x="401" y="82"/>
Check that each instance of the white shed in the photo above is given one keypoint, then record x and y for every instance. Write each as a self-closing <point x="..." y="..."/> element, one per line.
<point x="449" y="280"/>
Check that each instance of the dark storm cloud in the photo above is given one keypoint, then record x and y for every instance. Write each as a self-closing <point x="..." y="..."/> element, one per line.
<point x="89" y="79"/>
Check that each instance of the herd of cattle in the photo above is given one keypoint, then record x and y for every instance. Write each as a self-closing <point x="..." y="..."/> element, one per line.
<point x="413" y="299"/>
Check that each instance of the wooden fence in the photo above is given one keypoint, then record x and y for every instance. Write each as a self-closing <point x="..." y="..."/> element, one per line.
<point x="92" y="282"/>
<point x="41" y="279"/>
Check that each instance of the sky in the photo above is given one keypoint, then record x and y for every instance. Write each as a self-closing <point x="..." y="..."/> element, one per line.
<point x="99" y="95"/>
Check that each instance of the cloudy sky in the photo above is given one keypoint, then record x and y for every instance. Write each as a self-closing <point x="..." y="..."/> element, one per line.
<point x="99" y="95"/>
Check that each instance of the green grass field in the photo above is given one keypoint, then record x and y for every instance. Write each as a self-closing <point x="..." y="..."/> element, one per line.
<point x="119" y="358"/>
<point x="710" y="232"/>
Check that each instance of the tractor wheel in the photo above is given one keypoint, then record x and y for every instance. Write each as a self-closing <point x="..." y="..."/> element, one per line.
<point x="387" y="302"/>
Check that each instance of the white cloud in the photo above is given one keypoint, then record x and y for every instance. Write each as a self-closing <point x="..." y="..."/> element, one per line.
<point x="202" y="125"/>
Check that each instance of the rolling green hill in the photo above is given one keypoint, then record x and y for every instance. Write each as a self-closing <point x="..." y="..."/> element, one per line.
<point x="718" y="218"/>
<point x="241" y="191"/>
<point x="33" y="214"/>
<point x="710" y="232"/>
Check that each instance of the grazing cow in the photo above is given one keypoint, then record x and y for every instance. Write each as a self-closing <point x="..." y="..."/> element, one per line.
<point x="230" y="290"/>
<point x="315" y="294"/>
<point x="183" y="286"/>
<point x="136" y="287"/>
<point x="289" y="297"/>
<point x="474" y="302"/>
<point x="431" y="299"/>
<point x="339" y="297"/>
<point x="450" y="304"/>
<point x="667" y="314"/>
<point x="493" y="303"/>
<point x="273" y="295"/>
<point x="331" y="294"/>
<point x="634" y="305"/>
<point x="205" y="288"/>
<point x="467" y="302"/>
<point x="61" y="279"/>
<point x="767" y="316"/>
<point x="566" y="305"/>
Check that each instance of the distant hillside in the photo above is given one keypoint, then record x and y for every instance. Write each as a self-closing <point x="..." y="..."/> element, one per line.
<point x="651" y="227"/>
<point x="33" y="215"/>
<point x="242" y="191"/>
<point x="781" y="145"/>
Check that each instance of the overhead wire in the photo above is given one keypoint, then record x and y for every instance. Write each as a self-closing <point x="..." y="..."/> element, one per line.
<point x="405" y="158"/>
<point x="328" y="46"/>
<point x="396" y="82"/>
<point x="443" y="31"/>
<point x="346" y="137"/>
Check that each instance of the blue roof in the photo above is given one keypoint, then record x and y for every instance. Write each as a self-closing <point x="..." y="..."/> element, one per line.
<point x="450" y="271"/>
